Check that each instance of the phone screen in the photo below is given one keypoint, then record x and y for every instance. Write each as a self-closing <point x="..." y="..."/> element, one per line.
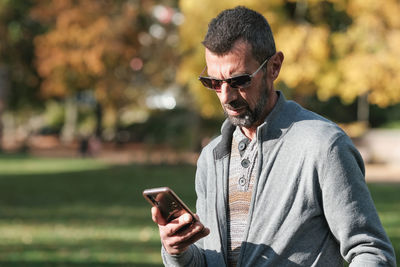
<point x="169" y="204"/>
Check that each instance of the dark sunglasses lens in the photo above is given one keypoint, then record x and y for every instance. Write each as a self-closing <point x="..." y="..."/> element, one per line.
<point x="211" y="83"/>
<point x="206" y="82"/>
<point x="240" y="81"/>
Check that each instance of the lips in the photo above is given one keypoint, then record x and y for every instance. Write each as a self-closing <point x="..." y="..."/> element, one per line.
<point x="235" y="107"/>
<point x="235" y="111"/>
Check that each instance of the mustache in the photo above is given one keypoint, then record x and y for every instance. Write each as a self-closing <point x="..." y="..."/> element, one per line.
<point x="236" y="104"/>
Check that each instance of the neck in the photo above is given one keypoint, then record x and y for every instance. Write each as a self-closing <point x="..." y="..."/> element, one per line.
<point x="250" y="133"/>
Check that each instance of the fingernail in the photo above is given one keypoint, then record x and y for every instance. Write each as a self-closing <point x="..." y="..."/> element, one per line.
<point x="186" y="218"/>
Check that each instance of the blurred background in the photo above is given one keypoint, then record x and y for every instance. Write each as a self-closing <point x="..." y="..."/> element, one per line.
<point x="99" y="100"/>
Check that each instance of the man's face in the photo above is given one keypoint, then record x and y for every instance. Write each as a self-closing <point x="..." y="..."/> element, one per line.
<point x="244" y="107"/>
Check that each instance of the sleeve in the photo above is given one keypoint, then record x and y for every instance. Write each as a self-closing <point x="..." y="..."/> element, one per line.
<point x="349" y="208"/>
<point x="194" y="255"/>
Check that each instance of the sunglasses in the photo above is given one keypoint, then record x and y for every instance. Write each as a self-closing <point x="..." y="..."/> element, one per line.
<point x="237" y="82"/>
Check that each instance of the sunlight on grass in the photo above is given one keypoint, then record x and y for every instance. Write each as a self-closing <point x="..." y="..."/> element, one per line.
<point x="77" y="212"/>
<point x="29" y="233"/>
<point x="83" y="255"/>
<point x="82" y="212"/>
<point x="387" y="201"/>
<point x="26" y="165"/>
<point x="59" y="242"/>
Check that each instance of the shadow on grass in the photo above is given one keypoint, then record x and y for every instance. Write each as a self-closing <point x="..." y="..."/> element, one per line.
<point x="106" y="200"/>
<point x="83" y="246"/>
<point x="74" y="264"/>
<point x="101" y="213"/>
<point x="106" y="194"/>
<point x="83" y="253"/>
<point x="387" y="201"/>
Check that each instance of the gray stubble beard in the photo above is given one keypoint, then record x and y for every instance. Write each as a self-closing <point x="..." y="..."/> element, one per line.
<point x="250" y="117"/>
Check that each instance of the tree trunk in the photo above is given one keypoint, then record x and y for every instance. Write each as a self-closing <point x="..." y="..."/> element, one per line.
<point x="301" y="10"/>
<point x="4" y="87"/>
<point x="70" y="121"/>
<point x="363" y="108"/>
<point x="1" y="125"/>
<point x="99" y="120"/>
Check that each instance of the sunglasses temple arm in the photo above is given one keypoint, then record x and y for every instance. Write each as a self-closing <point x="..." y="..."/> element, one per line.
<point x="203" y="70"/>
<point x="259" y="68"/>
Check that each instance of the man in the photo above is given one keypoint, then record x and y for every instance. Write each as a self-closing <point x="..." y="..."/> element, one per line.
<point x="281" y="186"/>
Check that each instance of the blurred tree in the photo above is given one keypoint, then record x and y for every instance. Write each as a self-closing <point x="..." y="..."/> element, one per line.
<point x="110" y="47"/>
<point x="366" y="54"/>
<point x="18" y="78"/>
<point x="345" y="48"/>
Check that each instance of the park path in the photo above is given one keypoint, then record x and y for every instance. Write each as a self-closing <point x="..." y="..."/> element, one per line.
<point x="380" y="150"/>
<point x="374" y="172"/>
<point x="382" y="173"/>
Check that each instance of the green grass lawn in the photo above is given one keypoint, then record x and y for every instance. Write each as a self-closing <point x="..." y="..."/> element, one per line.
<point x="81" y="212"/>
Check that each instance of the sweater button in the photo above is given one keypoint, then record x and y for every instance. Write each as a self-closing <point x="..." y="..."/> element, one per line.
<point x="242" y="181"/>
<point x="245" y="163"/>
<point x="242" y="146"/>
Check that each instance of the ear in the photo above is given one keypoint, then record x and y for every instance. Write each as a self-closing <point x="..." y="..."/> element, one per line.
<point x="276" y="64"/>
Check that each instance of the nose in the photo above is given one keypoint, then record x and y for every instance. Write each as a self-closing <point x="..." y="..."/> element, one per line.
<point x="227" y="94"/>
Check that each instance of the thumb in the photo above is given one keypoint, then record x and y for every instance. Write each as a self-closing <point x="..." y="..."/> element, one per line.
<point x="157" y="217"/>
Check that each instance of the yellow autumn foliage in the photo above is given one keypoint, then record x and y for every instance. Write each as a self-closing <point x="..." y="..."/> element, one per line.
<point x="85" y="41"/>
<point x="305" y="49"/>
<point x="360" y="58"/>
<point x="367" y="54"/>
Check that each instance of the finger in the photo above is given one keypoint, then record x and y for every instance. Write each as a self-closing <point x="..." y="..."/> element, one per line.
<point x="185" y="218"/>
<point x="157" y="217"/>
<point x="179" y="225"/>
<point x="186" y="234"/>
<point x="191" y="231"/>
<point x="196" y="217"/>
<point x="193" y="239"/>
<point x="171" y="229"/>
<point x="181" y="242"/>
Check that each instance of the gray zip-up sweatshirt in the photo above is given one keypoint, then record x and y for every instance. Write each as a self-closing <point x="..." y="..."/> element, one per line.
<point x="310" y="204"/>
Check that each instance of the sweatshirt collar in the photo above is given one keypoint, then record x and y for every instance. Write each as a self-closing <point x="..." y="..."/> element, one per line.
<point x="223" y="148"/>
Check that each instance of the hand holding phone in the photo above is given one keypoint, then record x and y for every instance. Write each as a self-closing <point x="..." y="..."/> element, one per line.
<point x="169" y="204"/>
<point x="176" y="237"/>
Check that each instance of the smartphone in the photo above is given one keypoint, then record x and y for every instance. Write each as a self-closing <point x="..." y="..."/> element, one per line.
<point x="169" y="204"/>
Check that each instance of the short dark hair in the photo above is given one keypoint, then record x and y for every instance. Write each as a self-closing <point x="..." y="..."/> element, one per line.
<point x="240" y="23"/>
